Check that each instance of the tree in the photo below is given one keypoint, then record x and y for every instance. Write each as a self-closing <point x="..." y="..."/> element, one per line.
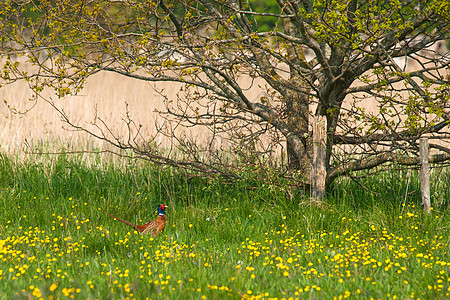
<point x="361" y="51"/>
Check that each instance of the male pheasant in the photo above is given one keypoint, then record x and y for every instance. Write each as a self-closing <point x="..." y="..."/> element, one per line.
<point x="155" y="227"/>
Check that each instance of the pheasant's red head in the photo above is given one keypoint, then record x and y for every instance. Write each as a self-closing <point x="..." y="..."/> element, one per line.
<point x="161" y="209"/>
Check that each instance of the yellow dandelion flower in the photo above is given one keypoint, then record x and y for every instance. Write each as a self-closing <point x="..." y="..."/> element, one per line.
<point x="53" y="287"/>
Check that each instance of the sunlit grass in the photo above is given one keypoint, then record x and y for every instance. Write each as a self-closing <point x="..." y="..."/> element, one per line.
<point x="221" y="241"/>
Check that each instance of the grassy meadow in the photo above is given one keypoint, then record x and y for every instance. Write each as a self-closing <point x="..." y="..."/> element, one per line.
<point x="222" y="241"/>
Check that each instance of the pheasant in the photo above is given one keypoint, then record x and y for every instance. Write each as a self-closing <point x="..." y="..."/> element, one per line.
<point x="156" y="226"/>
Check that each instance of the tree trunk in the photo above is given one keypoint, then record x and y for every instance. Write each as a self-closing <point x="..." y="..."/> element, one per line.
<point x="297" y="107"/>
<point x="297" y="118"/>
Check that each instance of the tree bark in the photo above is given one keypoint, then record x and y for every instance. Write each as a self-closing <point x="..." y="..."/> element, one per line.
<point x="297" y="106"/>
<point x="297" y="111"/>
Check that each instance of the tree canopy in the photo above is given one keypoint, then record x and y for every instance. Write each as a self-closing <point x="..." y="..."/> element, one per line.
<point x="310" y="58"/>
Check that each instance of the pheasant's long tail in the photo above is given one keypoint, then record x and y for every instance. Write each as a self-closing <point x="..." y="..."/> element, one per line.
<point x="121" y="220"/>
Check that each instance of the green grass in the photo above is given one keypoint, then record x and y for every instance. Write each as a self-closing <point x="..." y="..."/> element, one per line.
<point x="245" y="240"/>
